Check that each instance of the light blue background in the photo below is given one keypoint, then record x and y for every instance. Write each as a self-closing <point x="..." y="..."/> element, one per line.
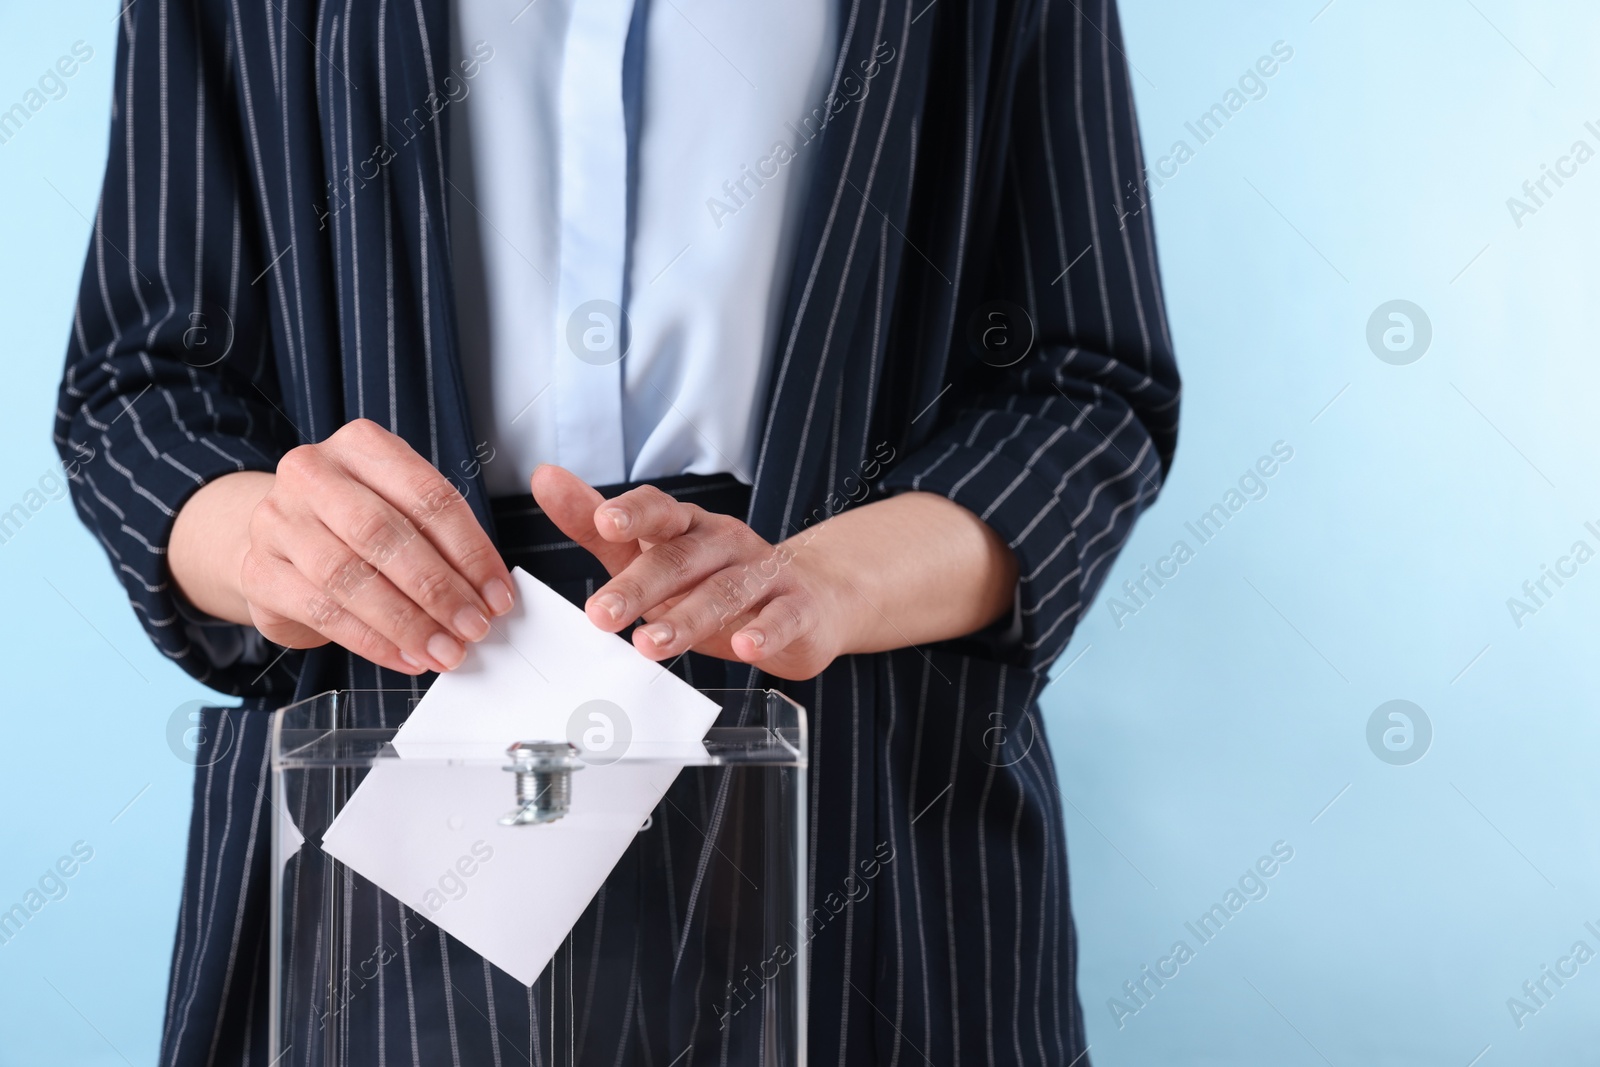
<point x="1227" y="713"/>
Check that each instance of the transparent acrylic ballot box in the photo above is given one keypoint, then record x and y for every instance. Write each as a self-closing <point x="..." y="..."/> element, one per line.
<point x="424" y="896"/>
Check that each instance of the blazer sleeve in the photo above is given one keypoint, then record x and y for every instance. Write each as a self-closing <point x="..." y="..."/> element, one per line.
<point x="1060" y="451"/>
<point x="168" y="381"/>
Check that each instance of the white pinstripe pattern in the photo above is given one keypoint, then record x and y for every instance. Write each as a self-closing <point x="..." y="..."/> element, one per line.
<point x="238" y="916"/>
<point x="182" y="1022"/>
<point x="988" y="931"/>
<point x="449" y="1002"/>
<point x="850" y="851"/>
<point x="1116" y="183"/>
<point x="390" y="351"/>
<point x="894" y="872"/>
<point x="1088" y="171"/>
<point x="354" y="210"/>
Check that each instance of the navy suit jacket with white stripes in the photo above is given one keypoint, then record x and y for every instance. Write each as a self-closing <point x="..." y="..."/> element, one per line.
<point x="227" y="315"/>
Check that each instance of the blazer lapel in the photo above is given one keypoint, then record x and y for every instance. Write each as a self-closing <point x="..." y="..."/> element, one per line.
<point x="386" y="126"/>
<point x="862" y="177"/>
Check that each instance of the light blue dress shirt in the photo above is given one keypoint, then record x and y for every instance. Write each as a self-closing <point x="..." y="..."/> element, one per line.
<point x="547" y="253"/>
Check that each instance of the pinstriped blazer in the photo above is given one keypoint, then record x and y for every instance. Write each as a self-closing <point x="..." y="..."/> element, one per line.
<point x="227" y="313"/>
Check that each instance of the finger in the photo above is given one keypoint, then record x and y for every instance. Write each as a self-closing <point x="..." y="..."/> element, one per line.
<point x="783" y="622"/>
<point x="282" y="630"/>
<point x="662" y="572"/>
<point x="570" y="502"/>
<point x="392" y="469"/>
<point x="361" y="591"/>
<point x="645" y="514"/>
<point x="296" y="614"/>
<point x="715" y="604"/>
<point x="395" y="546"/>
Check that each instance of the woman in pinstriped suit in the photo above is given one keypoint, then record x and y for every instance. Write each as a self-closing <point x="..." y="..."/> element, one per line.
<point x="935" y="512"/>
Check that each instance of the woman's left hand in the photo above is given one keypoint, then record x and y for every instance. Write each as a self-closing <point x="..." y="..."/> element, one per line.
<point x="701" y="581"/>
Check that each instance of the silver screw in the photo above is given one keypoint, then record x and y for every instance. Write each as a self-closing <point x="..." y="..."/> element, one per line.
<point x="544" y="781"/>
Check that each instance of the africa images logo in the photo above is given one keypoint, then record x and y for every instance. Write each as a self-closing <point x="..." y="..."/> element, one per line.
<point x="1399" y="332"/>
<point x="1399" y="732"/>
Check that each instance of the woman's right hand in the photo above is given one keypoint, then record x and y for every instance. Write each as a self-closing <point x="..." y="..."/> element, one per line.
<point x="356" y="540"/>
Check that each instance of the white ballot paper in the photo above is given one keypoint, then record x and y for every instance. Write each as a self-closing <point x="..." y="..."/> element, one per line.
<point x="428" y="833"/>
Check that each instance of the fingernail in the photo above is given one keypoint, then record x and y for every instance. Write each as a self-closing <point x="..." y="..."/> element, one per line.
<point x="471" y="624"/>
<point x="755" y="637"/>
<point x="409" y="662"/>
<point x="657" y="633"/>
<point x="618" y="519"/>
<point x="446" y="651"/>
<point x="497" y="596"/>
<point x="612" y="604"/>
